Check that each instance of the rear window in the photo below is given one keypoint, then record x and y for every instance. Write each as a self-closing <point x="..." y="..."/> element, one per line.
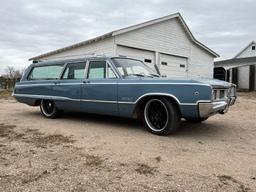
<point x="45" y="72"/>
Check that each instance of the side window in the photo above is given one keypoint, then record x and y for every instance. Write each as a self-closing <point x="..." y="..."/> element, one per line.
<point x="97" y="70"/>
<point x="45" y="72"/>
<point x="74" y="71"/>
<point x="100" y="70"/>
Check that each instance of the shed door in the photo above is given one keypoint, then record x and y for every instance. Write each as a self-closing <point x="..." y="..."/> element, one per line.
<point x="148" y="57"/>
<point x="172" y="65"/>
<point x="243" y="77"/>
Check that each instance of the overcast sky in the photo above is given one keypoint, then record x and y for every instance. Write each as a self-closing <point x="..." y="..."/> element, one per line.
<point x="31" y="27"/>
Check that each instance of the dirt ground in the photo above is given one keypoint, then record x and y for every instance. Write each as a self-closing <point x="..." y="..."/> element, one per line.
<point x="81" y="152"/>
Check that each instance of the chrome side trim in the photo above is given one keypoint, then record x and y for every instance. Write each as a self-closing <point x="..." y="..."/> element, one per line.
<point x="61" y="83"/>
<point x="60" y="98"/>
<point x="44" y="97"/>
<point x="39" y="84"/>
<point x="106" y="101"/>
<point x="103" y="83"/>
<point x="98" y="101"/>
<point x="163" y="83"/>
<point x="157" y="94"/>
<point x="169" y="95"/>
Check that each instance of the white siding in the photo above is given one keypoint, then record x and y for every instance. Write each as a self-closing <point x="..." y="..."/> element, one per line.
<point x="255" y="79"/>
<point x="248" y="52"/>
<point x="243" y="72"/>
<point x="166" y="37"/>
<point x="243" y="77"/>
<point x="169" y="37"/>
<point x="100" y="47"/>
<point x="200" y="63"/>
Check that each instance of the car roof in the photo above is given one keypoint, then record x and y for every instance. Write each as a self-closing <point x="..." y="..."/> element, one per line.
<point x="81" y="59"/>
<point x="62" y="61"/>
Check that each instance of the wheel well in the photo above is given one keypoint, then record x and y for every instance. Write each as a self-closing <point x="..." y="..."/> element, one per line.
<point x="37" y="102"/>
<point x="137" y="113"/>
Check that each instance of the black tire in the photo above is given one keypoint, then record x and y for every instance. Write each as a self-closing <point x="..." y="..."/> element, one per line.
<point x="196" y="120"/>
<point x="161" y="117"/>
<point x="48" y="109"/>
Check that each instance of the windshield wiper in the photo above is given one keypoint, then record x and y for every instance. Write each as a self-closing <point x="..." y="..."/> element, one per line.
<point x="137" y="74"/>
<point x="154" y="75"/>
<point x="144" y="75"/>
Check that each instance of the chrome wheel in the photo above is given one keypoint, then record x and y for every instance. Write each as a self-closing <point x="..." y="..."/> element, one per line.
<point x="47" y="108"/>
<point x="156" y="115"/>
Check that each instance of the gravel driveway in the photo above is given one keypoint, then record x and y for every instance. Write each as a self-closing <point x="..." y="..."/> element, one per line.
<point x="81" y="152"/>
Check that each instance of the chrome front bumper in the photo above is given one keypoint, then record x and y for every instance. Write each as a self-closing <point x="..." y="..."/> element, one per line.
<point x="211" y="108"/>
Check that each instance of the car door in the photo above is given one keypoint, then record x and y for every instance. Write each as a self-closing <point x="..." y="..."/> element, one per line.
<point x="68" y="88"/>
<point x="99" y="89"/>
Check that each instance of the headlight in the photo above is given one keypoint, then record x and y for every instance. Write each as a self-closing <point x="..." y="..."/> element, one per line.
<point x="232" y="91"/>
<point x="220" y="94"/>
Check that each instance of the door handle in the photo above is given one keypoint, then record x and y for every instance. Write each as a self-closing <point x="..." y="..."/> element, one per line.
<point x="86" y="81"/>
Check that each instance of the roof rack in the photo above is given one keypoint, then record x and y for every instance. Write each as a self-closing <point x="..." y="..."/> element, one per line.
<point x="83" y="56"/>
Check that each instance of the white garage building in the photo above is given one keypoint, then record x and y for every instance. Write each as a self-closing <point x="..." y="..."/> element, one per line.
<point x="166" y="42"/>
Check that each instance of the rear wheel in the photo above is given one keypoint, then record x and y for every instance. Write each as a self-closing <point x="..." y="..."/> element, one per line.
<point x="196" y="120"/>
<point x="161" y="117"/>
<point x="48" y="109"/>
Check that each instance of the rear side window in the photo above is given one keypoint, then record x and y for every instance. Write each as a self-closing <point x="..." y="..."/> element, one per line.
<point x="45" y="72"/>
<point x="74" y="71"/>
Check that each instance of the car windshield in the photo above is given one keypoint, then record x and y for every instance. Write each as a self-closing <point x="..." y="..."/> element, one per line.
<point x="131" y="67"/>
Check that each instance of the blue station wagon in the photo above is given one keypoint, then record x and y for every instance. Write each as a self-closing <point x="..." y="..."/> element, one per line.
<point x="122" y="87"/>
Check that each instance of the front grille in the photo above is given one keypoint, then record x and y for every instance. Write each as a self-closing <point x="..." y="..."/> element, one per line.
<point x="220" y="94"/>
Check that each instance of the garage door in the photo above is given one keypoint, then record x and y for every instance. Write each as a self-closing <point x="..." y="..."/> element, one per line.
<point x="172" y="65"/>
<point x="147" y="56"/>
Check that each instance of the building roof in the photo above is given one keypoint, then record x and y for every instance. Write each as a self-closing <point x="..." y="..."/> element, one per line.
<point x="240" y="52"/>
<point x="235" y="62"/>
<point x="128" y="29"/>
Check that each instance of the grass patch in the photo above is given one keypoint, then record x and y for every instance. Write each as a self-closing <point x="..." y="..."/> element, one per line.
<point x="5" y="94"/>
<point x="34" y="177"/>
<point x="6" y="130"/>
<point x="41" y="140"/>
<point x="145" y="169"/>
<point x="158" y="159"/>
<point x="93" y="161"/>
<point x="228" y="180"/>
<point x="33" y="136"/>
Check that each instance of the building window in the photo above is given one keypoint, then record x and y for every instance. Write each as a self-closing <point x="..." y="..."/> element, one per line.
<point x="253" y="47"/>
<point x="147" y="60"/>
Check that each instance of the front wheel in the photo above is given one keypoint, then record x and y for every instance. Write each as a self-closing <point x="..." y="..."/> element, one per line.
<point x="48" y="109"/>
<point x="161" y="117"/>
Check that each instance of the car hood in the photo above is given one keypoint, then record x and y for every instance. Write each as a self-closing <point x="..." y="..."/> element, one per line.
<point x="215" y="83"/>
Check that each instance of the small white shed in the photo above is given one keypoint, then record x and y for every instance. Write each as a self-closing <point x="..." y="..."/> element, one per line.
<point x="166" y="42"/>
<point x="241" y="69"/>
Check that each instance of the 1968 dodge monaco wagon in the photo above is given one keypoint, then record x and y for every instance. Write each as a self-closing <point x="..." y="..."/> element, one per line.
<point x="121" y="87"/>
